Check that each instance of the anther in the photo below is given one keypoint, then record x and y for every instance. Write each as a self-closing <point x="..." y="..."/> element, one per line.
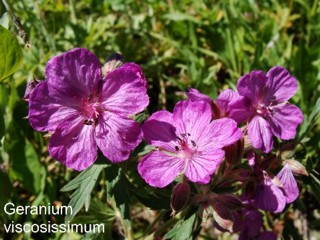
<point x="193" y="143"/>
<point x="177" y="148"/>
<point x="88" y="122"/>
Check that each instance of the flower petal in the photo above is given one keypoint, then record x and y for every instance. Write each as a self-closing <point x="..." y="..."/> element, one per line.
<point x="220" y="133"/>
<point x="260" y="135"/>
<point x="192" y="117"/>
<point x="117" y="136"/>
<point x="203" y="164"/>
<point x="159" y="169"/>
<point x="240" y="109"/>
<point x="282" y="86"/>
<point x="74" y="144"/>
<point x="76" y="73"/>
<point x="284" y="121"/>
<point x="269" y="197"/>
<point x="253" y="86"/>
<point x="290" y="185"/>
<point x="194" y="95"/>
<point x="225" y="98"/>
<point x="159" y="130"/>
<point x="48" y="107"/>
<point x="124" y="90"/>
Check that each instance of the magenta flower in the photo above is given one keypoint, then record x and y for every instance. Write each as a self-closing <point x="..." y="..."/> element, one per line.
<point x="220" y="106"/>
<point x="264" y="105"/>
<point x="187" y="142"/>
<point x="269" y="196"/>
<point x="84" y="111"/>
<point x="289" y="183"/>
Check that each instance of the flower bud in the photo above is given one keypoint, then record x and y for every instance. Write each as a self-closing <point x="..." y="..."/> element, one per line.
<point x="217" y="112"/>
<point x="296" y="167"/>
<point x="113" y="61"/>
<point x="180" y="196"/>
<point x="234" y="152"/>
<point x="31" y="84"/>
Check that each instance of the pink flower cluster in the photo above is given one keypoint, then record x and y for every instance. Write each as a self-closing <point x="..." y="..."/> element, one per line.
<point x="85" y="109"/>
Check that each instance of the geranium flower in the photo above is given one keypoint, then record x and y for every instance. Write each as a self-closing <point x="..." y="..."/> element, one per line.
<point x="84" y="111"/>
<point x="289" y="183"/>
<point x="264" y="105"/>
<point x="269" y="195"/>
<point x="220" y="106"/>
<point x="187" y="142"/>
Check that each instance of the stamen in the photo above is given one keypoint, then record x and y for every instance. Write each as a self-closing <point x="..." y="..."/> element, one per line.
<point x="88" y="122"/>
<point x="177" y="148"/>
<point x="193" y="143"/>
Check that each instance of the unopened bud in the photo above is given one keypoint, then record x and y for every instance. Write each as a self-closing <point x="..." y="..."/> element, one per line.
<point x="180" y="196"/>
<point x="296" y="167"/>
<point x="234" y="152"/>
<point x="287" y="150"/>
<point x="113" y="61"/>
<point x="216" y="111"/>
<point x="31" y="84"/>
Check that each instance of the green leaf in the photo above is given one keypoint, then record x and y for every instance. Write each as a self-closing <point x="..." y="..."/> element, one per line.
<point x="118" y="186"/>
<point x="154" y="199"/>
<point x="4" y="20"/>
<point x="178" y="16"/>
<point x="84" y="184"/>
<point x="24" y="160"/>
<point x="6" y="188"/>
<point x="183" y="229"/>
<point x="98" y="212"/>
<point x="10" y="53"/>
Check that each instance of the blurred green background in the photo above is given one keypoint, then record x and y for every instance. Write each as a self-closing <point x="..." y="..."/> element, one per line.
<point x="179" y="44"/>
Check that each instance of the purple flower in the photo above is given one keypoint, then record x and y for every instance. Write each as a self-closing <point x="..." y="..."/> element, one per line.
<point x="289" y="183"/>
<point x="264" y="105"/>
<point x="220" y="106"/>
<point x="187" y="142"/>
<point x="269" y="196"/>
<point x="250" y="223"/>
<point x="85" y="111"/>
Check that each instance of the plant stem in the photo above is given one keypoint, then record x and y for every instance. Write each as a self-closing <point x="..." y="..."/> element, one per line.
<point x="165" y="226"/>
<point x="22" y="33"/>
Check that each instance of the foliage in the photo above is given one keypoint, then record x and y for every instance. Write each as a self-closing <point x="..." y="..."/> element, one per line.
<point x="179" y="44"/>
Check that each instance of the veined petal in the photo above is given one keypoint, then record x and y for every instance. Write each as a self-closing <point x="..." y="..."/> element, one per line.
<point x="48" y="107"/>
<point x="159" y="169"/>
<point x="124" y="90"/>
<point x="203" y="164"/>
<point x="218" y="134"/>
<point x="260" y="135"/>
<point x="240" y="109"/>
<point x="285" y="120"/>
<point x="192" y="117"/>
<point x="159" y="130"/>
<point x="76" y="73"/>
<point x="253" y="86"/>
<point x="194" y="95"/>
<point x="117" y="136"/>
<point x="225" y="98"/>
<point x="290" y="185"/>
<point x="281" y="85"/>
<point x="269" y="197"/>
<point x="74" y="144"/>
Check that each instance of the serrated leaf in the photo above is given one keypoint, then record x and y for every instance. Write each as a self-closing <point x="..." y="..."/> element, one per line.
<point x="10" y="53"/>
<point x="183" y="229"/>
<point x="118" y="186"/>
<point x="84" y="184"/>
